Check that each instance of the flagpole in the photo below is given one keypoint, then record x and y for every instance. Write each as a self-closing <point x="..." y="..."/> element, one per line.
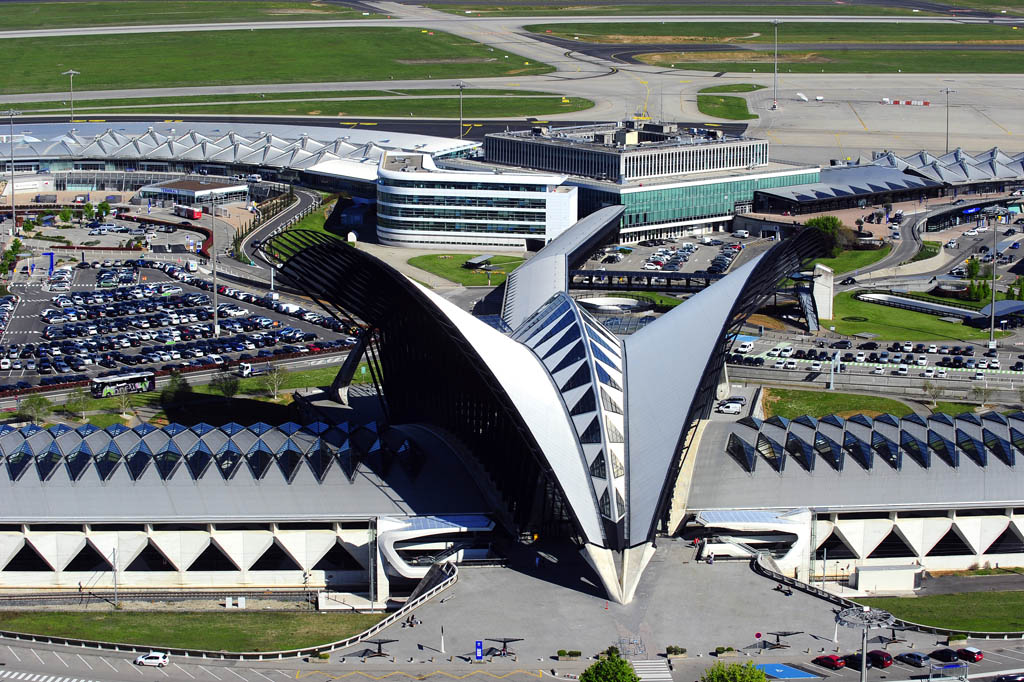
<point x="442" y="639"/>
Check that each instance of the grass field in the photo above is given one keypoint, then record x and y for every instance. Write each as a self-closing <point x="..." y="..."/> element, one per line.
<point x="978" y="611"/>
<point x="482" y="107"/>
<point x="793" y="403"/>
<point x="654" y="297"/>
<point x="724" y="106"/>
<point x="845" y="61"/>
<point x="928" y="250"/>
<point x="848" y="261"/>
<point x="894" y="324"/>
<point x="242" y="57"/>
<point x="594" y="10"/>
<point x="952" y="408"/>
<point x="800" y="32"/>
<point x="450" y="267"/>
<point x="244" y="631"/>
<point x="736" y="87"/>
<point x="29" y="15"/>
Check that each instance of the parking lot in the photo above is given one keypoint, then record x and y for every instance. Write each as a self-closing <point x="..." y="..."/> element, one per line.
<point x="691" y="255"/>
<point x="143" y="315"/>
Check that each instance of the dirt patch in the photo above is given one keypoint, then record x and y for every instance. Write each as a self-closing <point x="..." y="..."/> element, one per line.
<point x="453" y="60"/>
<point x="766" y="322"/>
<point x="618" y="39"/>
<point x="315" y="112"/>
<point x="661" y="58"/>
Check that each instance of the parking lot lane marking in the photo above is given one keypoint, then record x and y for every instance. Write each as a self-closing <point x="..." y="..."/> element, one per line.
<point x="60" y="659"/>
<point x="13" y="653"/>
<point x="1003" y="654"/>
<point x="109" y="664"/>
<point x="260" y="674"/>
<point x="38" y="656"/>
<point x="184" y="671"/>
<point x="207" y="670"/>
<point x="286" y="674"/>
<point x="87" y="664"/>
<point x="236" y="674"/>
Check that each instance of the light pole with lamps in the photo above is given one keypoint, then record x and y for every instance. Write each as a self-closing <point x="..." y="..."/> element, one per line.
<point x="775" y="78"/>
<point x="72" y="73"/>
<point x="865" y="618"/>
<point x="461" y="86"/>
<point x="948" y="92"/>
<point x="10" y="114"/>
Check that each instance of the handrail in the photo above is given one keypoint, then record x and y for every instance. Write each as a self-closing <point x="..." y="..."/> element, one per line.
<point x="451" y="573"/>
<point x="759" y="567"/>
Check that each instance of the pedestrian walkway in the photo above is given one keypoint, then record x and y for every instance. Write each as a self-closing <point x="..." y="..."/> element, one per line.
<point x="37" y="677"/>
<point x="653" y="671"/>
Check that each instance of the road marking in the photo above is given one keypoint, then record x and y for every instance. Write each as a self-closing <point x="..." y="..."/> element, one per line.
<point x="858" y="116"/>
<point x="236" y="674"/>
<point x="109" y="664"/>
<point x="260" y="674"/>
<point x="38" y="656"/>
<point x="208" y="671"/>
<point x="87" y="665"/>
<point x="183" y="670"/>
<point x="14" y="654"/>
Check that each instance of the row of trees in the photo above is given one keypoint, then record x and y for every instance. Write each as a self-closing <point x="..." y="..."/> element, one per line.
<point x="614" y="668"/>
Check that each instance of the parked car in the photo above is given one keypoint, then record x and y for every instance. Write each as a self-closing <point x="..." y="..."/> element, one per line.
<point x="915" y="659"/>
<point x="945" y="655"/>
<point x="831" y="661"/>
<point x="154" y="658"/>
<point x="970" y="654"/>
<point x="879" y="658"/>
<point x="729" y="408"/>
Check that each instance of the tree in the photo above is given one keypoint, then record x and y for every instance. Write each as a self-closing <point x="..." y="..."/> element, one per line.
<point x="124" y="401"/>
<point x="36" y="407"/>
<point x="973" y="268"/>
<point x="611" y="669"/>
<point x="176" y="390"/>
<point x="733" y="672"/>
<point x="859" y="223"/>
<point x="78" y="401"/>
<point x="888" y="209"/>
<point x="88" y="211"/>
<point x="981" y="394"/>
<point x="837" y="235"/>
<point x="226" y="383"/>
<point x="103" y="209"/>
<point x="933" y="391"/>
<point x="65" y="215"/>
<point x="273" y="380"/>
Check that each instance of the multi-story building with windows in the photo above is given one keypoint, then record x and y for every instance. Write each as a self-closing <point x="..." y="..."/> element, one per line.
<point x="420" y="205"/>
<point x="672" y="181"/>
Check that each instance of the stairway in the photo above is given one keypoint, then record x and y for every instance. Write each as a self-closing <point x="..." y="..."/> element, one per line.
<point x="653" y="671"/>
<point x="809" y="309"/>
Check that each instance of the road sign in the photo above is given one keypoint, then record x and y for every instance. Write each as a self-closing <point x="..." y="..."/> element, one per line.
<point x="757" y="635"/>
<point x="479" y="650"/>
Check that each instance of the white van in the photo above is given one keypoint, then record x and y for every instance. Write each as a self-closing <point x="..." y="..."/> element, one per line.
<point x="255" y="177"/>
<point x="741" y="234"/>
<point x="745" y="347"/>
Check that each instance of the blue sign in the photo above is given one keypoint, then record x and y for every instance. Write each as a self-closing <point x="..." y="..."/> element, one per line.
<point x="974" y="209"/>
<point x="479" y="650"/>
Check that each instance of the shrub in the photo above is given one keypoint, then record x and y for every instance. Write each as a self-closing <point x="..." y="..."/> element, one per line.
<point x="957" y="637"/>
<point x="612" y="651"/>
<point x="673" y="650"/>
<point x="719" y="649"/>
<point x="323" y="656"/>
<point x="562" y="652"/>
<point x="575" y="654"/>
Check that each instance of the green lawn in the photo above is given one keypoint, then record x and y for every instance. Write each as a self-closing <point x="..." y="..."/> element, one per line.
<point x="736" y="87"/>
<point x="951" y="408"/>
<point x="845" y="61"/>
<point x="894" y="324"/>
<point x="105" y="419"/>
<point x="977" y="611"/>
<point x="477" y="107"/>
<point x="654" y="297"/>
<point x="848" y="261"/>
<point x="583" y="9"/>
<point x="724" y="106"/>
<point x="29" y="15"/>
<point x="242" y="631"/>
<point x="246" y="57"/>
<point x="449" y="266"/>
<point x="794" y="403"/>
<point x="799" y="32"/>
<point x="928" y="250"/>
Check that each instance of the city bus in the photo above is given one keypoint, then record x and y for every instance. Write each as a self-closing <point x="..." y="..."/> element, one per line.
<point x="136" y="382"/>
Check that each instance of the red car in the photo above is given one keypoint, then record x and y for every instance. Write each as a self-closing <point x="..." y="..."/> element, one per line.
<point x="831" y="662"/>
<point x="879" y="658"/>
<point x="970" y="654"/>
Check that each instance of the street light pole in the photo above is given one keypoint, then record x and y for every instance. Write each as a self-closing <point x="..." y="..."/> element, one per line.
<point x="11" y="113"/>
<point x="72" y="73"/>
<point x="948" y="93"/>
<point x="461" y="86"/>
<point x="775" y="78"/>
<point x="992" y="310"/>
<point x="213" y="261"/>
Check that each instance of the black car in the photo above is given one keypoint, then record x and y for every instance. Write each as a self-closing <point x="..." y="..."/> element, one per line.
<point x="945" y="655"/>
<point x="847" y="280"/>
<point x="853" y="661"/>
<point x="868" y="345"/>
<point x="841" y="344"/>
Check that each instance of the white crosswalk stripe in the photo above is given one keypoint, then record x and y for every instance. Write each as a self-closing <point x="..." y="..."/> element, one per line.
<point x="31" y="677"/>
<point x="652" y="671"/>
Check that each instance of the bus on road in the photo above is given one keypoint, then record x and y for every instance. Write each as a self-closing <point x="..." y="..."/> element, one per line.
<point x="136" y="382"/>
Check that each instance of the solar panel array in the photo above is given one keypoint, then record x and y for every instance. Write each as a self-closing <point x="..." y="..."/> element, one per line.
<point x="938" y="439"/>
<point x="69" y="454"/>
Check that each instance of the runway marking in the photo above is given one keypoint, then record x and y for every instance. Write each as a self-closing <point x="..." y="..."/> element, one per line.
<point x="84" y="661"/>
<point x="993" y="121"/>
<point x="36" y="654"/>
<point x="208" y="671"/>
<point x="840" y="143"/>
<point x="14" y="654"/>
<point x="109" y="664"/>
<point x="850" y="104"/>
<point x="183" y="670"/>
<point x="299" y="674"/>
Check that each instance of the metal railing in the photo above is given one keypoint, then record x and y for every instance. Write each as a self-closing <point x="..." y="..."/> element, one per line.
<point x="760" y="565"/>
<point x="451" y="575"/>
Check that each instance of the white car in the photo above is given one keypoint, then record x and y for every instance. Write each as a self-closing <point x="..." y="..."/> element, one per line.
<point x="729" y="408"/>
<point x="928" y="373"/>
<point x="790" y="364"/>
<point x="933" y="348"/>
<point x="155" y="658"/>
<point x="780" y="363"/>
<point x="786" y="352"/>
<point x="941" y="374"/>
<point x="745" y="347"/>
<point x="815" y="366"/>
<point x="971" y="233"/>
<point x="993" y="364"/>
<point x="979" y="376"/>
